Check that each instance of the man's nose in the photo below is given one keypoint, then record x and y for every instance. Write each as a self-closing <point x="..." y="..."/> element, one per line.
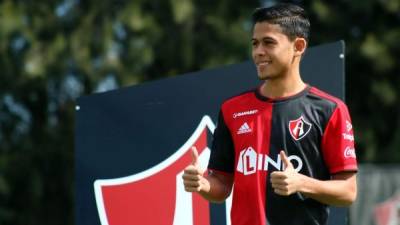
<point x="258" y="50"/>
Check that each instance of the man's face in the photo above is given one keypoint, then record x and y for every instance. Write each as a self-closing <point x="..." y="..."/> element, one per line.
<point x="272" y="51"/>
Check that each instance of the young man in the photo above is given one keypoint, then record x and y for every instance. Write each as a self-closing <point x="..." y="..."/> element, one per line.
<point x="288" y="148"/>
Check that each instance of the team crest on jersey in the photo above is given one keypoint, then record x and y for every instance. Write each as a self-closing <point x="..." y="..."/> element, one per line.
<point x="299" y="128"/>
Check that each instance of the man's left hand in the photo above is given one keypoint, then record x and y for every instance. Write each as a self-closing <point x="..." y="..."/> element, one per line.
<point x="288" y="181"/>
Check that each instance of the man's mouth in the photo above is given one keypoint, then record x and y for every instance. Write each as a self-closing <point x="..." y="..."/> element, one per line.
<point x="263" y="63"/>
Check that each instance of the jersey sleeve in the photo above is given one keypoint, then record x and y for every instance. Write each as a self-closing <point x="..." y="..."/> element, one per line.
<point x="222" y="149"/>
<point x="338" y="142"/>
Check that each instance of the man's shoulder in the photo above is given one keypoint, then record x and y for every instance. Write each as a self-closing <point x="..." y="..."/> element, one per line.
<point x="330" y="99"/>
<point x="238" y="98"/>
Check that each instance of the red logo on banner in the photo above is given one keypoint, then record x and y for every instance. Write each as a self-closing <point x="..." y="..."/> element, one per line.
<point x="156" y="196"/>
<point x="388" y="212"/>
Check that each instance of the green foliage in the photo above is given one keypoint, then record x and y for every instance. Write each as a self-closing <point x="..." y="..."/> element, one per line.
<point x="370" y="29"/>
<point x="51" y="52"/>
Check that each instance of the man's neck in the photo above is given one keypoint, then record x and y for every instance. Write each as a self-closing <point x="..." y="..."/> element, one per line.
<point x="282" y="87"/>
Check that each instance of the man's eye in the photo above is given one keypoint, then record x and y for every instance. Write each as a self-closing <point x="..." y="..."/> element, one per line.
<point x="268" y="42"/>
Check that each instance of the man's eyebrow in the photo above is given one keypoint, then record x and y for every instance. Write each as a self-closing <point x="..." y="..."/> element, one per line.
<point x="264" y="39"/>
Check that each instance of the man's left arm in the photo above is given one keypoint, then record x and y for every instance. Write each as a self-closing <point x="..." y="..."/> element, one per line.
<point x="341" y="190"/>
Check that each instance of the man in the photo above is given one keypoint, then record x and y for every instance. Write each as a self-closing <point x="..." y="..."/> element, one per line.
<point x="287" y="147"/>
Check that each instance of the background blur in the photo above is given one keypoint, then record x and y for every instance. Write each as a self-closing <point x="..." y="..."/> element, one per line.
<point x="53" y="51"/>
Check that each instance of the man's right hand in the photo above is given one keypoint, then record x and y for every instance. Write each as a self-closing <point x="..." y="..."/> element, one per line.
<point x="193" y="178"/>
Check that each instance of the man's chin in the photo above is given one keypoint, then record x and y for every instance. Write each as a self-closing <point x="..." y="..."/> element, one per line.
<point x="264" y="77"/>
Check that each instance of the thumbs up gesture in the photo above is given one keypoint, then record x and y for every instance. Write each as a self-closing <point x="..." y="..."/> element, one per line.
<point x="288" y="181"/>
<point x="195" y="157"/>
<point x="193" y="179"/>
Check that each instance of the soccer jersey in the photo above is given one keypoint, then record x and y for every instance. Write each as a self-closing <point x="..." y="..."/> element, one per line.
<point x="313" y="128"/>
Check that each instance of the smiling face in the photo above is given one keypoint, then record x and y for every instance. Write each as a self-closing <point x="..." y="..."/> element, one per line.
<point x="273" y="53"/>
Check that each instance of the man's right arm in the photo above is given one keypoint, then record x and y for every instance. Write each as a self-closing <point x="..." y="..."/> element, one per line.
<point x="214" y="187"/>
<point x="217" y="184"/>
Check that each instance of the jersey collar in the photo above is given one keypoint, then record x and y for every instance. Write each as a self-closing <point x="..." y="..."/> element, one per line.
<point x="261" y="97"/>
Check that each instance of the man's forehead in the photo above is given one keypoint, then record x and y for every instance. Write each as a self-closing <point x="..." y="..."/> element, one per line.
<point x="262" y="29"/>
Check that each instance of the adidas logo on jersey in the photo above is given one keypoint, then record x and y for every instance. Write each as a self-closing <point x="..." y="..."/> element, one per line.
<point x="244" y="129"/>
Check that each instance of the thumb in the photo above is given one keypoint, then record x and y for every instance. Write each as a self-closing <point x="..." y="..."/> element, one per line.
<point x="195" y="156"/>
<point x="286" y="162"/>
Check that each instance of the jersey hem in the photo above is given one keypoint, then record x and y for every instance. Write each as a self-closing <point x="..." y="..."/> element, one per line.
<point x="344" y="169"/>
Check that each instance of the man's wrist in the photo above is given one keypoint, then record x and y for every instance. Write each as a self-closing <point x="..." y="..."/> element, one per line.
<point x="301" y="191"/>
<point x="303" y="188"/>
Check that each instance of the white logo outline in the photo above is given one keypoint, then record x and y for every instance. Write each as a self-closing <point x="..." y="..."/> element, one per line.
<point x="245" y="128"/>
<point x="349" y="152"/>
<point x="349" y="126"/>
<point x="249" y="162"/>
<point x="244" y="113"/>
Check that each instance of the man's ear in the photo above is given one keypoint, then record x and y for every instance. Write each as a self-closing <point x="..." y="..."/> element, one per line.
<point x="300" y="45"/>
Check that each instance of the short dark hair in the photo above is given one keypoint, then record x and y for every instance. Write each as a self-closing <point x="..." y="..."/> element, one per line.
<point x="291" y="18"/>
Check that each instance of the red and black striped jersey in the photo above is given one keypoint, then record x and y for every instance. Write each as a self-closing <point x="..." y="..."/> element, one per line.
<point x="312" y="127"/>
